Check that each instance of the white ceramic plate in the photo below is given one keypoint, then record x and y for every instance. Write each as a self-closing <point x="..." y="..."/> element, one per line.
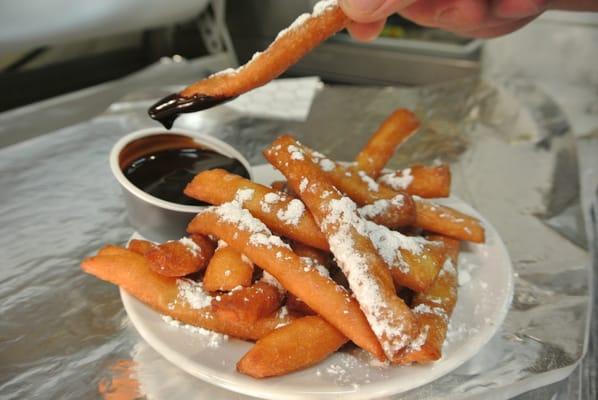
<point x="484" y="298"/>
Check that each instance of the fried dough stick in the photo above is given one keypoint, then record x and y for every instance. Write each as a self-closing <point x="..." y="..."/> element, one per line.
<point x="227" y="269"/>
<point x="434" y="307"/>
<point x="414" y="265"/>
<point x="133" y="273"/>
<point x="367" y="274"/>
<point x="307" y="32"/>
<point x="379" y="203"/>
<point x="397" y="128"/>
<point x="218" y="186"/>
<point x="176" y="258"/>
<point x="298" y="345"/>
<point x="420" y="180"/>
<point x="248" y="235"/>
<point x="362" y="189"/>
<point x="248" y="304"/>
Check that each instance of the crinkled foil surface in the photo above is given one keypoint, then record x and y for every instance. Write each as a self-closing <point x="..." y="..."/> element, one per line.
<point x="64" y="334"/>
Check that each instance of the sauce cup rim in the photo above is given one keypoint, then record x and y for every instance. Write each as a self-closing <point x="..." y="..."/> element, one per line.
<point x="209" y="142"/>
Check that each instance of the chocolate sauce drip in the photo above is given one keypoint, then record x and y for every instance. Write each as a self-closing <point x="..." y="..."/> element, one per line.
<point x="170" y="107"/>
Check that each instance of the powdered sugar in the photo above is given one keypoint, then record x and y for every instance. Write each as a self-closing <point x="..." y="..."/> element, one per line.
<point x="373" y="186"/>
<point x="322" y="6"/>
<point x="303" y="185"/>
<point x="341" y="218"/>
<point x="381" y="207"/>
<point x="243" y="195"/>
<point x="293" y="213"/>
<point x="269" y="199"/>
<point x="295" y="152"/>
<point x="213" y="339"/>
<point x="327" y="165"/>
<point x="191" y="245"/>
<point x="310" y="264"/>
<point x="269" y="279"/>
<point x="193" y="294"/>
<point x="398" y="181"/>
<point x="319" y="9"/>
<point x="390" y="244"/>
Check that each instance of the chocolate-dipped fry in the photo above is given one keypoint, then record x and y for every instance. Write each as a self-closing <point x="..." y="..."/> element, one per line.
<point x="367" y="274"/>
<point x="433" y="309"/>
<point x="420" y="180"/>
<point x="227" y="269"/>
<point x="181" y="299"/>
<point x="298" y="345"/>
<point x="290" y="45"/>
<point x="397" y="128"/>
<point x="250" y="236"/>
<point x="282" y="213"/>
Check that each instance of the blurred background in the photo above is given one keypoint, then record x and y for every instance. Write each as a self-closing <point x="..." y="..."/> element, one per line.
<point x="58" y="46"/>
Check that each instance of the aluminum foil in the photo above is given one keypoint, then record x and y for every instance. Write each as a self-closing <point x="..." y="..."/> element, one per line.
<point x="64" y="334"/>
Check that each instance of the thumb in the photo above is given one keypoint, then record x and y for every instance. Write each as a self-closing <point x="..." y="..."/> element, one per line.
<point x="372" y="10"/>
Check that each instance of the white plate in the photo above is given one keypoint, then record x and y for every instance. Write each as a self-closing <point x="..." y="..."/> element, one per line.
<point x="483" y="302"/>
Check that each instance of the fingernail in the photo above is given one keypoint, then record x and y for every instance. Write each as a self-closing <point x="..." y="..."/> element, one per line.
<point x="363" y="6"/>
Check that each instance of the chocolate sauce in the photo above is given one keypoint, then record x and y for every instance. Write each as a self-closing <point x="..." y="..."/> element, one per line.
<point x="170" y="107"/>
<point x="162" y="165"/>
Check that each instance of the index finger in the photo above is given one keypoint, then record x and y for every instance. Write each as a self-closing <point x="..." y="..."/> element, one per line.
<point x="366" y="11"/>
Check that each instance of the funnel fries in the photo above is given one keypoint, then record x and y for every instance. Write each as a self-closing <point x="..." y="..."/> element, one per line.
<point x="133" y="273"/>
<point x="251" y="237"/>
<point x="300" y="344"/>
<point x="397" y="128"/>
<point x="275" y="209"/>
<point x="434" y="307"/>
<point x="227" y="269"/>
<point x="391" y="320"/>
<point x="290" y="46"/>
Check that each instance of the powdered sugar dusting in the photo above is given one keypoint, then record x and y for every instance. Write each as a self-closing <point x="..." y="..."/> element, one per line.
<point x="243" y="195"/>
<point x="341" y="218"/>
<point x="327" y="165"/>
<point x="191" y="246"/>
<point x="381" y="207"/>
<point x="268" y="200"/>
<point x="390" y="244"/>
<point x="309" y="264"/>
<point x="213" y="339"/>
<point x="373" y="186"/>
<point x="193" y="293"/>
<point x="303" y="185"/>
<point x="269" y="279"/>
<point x="295" y="152"/>
<point x="319" y="8"/>
<point x="396" y="180"/>
<point x="293" y="213"/>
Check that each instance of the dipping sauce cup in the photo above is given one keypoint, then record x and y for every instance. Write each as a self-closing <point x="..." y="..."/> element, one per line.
<point x="153" y="166"/>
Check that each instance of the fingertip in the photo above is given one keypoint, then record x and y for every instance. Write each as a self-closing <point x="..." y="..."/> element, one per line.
<point x="367" y="11"/>
<point x="366" y="32"/>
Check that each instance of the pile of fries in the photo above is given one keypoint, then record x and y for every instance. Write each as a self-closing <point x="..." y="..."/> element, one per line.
<point x="337" y="253"/>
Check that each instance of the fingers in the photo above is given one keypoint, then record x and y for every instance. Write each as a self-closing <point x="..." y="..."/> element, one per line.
<point x="366" y="32"/>
<point x="511" y="9"/>
<point x="365" y="11"/>
<point x="501" y="30"/>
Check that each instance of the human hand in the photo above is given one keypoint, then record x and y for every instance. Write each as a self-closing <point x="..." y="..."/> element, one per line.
<point x="471" y="18"/>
